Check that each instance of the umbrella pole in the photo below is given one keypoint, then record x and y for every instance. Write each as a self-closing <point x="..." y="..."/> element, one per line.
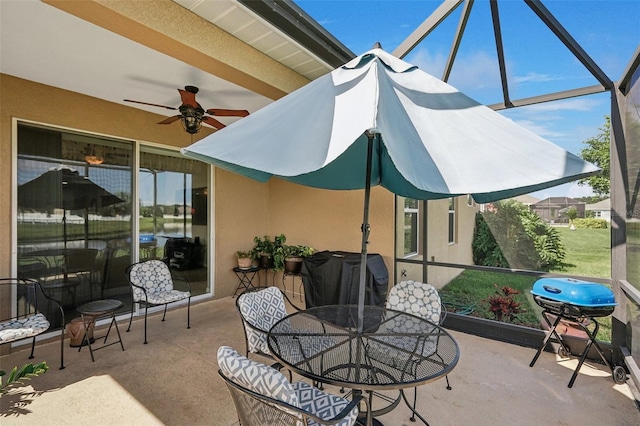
<point x="365" y="233"/>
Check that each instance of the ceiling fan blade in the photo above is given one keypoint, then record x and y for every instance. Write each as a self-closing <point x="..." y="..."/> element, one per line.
<point x="228" y="112"/>
<point x="147" y="103"/>
<point x="188" y="98"/>
<point x="170" y="119"/>
<point x="213" y="122"/>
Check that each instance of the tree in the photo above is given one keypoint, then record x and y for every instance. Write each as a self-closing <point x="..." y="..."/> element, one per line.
<point x="597" y="152"/>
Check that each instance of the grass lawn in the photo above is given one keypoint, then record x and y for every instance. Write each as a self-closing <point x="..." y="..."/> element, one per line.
<point x="588" y="252"/>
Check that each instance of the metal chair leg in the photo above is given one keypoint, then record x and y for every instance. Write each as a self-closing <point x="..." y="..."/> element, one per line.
<point x="33" y="346"/>
<point x="130" y="318"/>
<point x="165" y="312"/>
<point x="146" y="307"/>
<point x="189" y="313"/>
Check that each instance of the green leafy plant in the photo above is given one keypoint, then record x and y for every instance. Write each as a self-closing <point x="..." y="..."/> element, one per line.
<point x="278" y="253"/>
<point x="591" y="223"/>
<point x="244" y="254"/>
<point x="17" y="375"/>
<point x="298" y="251"/>
<point x="263" y="247"/>
<point x="512" y="236"/>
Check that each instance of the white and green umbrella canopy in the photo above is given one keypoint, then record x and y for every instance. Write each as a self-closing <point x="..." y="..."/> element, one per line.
<point x="428" y="140"/>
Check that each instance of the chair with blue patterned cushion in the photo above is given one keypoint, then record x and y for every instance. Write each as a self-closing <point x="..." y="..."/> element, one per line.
<point x="422" y="300"/>
<point x="152" y="285"/>
<point x="263" y="396"/>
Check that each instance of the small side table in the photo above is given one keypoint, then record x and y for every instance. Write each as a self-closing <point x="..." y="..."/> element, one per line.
<point x="246" y="277"/>
<point x="90" y="312"/>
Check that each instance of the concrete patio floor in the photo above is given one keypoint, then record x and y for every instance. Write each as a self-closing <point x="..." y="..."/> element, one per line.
<point x="173" y="380"/>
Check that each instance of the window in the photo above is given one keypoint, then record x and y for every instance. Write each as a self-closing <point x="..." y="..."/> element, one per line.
<point x="173" y="217"/>
<point x="452" y="220"/>
<point x="74" y="214"/>
<point x="411" y="228"/>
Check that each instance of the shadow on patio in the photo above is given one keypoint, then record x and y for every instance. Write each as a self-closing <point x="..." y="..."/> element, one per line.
<point x="173" y="380"/>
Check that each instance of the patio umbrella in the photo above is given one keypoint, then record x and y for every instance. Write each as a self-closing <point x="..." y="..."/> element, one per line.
<point x="378" y="120"/>
<point x="66" y="189"/>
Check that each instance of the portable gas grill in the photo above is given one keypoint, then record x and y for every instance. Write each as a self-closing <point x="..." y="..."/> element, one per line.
<point x="578" y="302"/>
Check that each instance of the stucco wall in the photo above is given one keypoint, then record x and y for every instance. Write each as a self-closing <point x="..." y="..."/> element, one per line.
<point x="331" y="220"/>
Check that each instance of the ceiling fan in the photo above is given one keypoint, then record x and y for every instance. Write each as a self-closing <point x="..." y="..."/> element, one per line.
<point x="192" y="114"/>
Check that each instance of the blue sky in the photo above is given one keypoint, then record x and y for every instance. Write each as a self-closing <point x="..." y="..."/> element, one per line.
<point x="537" y="63"/>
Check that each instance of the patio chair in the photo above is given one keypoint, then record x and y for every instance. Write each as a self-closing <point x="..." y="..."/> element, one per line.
<point x="259" y="311"/>
<point x="419" y="299"/>
<point x="30" y="319"/>
<point x="152" y="285"/>
<point x="263" y="396"/>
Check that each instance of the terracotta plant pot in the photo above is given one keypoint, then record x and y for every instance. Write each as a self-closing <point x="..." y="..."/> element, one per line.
<point x="244" y="262"/>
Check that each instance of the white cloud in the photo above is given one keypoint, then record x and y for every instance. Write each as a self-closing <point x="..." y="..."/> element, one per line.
<point x="534" y="77"/>
<point x="477" y="71"/>
<point x="575" y="104"/>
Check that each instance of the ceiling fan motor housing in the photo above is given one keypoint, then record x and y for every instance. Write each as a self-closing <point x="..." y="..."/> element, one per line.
<point x="191" y="118"/>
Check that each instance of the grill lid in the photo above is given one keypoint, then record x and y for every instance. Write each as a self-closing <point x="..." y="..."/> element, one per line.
<point x="576" y="292"/>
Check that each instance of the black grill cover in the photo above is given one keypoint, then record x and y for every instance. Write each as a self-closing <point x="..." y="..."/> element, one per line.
<point x="332" y="278"/>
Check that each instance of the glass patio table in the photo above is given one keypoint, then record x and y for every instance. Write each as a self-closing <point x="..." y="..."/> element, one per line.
<point x="394" y="351"/>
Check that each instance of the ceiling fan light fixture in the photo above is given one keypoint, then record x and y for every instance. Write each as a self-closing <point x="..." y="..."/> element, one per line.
<point x="191" y="118"/>
<point x="94" y="158"/>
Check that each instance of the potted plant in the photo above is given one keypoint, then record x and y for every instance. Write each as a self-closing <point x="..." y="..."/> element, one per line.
<point x="278" y="252"/>
<point x="245" y="258"/>
<point x="263" y="251"/>
<point x="293" y="256"/>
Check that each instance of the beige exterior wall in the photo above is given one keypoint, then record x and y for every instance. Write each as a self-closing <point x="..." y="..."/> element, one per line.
<point x="331" y="220"/>
<point x="438" y="247"/>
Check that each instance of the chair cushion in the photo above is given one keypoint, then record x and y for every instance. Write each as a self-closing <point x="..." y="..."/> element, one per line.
<point x="165" y="297"/>
<point x="22" y="328"/>
<point x="256" y="376"/>
<point x="416" y="298"/>
<point x="322" y="404"/>
<point x="262" y="309"/>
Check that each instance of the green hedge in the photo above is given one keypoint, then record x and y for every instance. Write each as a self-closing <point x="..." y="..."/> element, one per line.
<point x="590" y="223"/>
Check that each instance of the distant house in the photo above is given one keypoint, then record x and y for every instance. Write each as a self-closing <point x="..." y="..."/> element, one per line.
<point x="554" y="209"/>
<point x="526" y="199"/>
<point x="601" y="209"/>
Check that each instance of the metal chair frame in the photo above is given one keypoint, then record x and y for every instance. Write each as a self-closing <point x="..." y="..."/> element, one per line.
<point x="254" y="409"/>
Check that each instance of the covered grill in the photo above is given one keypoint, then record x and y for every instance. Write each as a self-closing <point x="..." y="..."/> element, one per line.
<point x="579" y="302"/>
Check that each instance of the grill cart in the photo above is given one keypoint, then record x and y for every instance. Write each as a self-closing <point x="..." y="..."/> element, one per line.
<point x="579" y="302"/>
